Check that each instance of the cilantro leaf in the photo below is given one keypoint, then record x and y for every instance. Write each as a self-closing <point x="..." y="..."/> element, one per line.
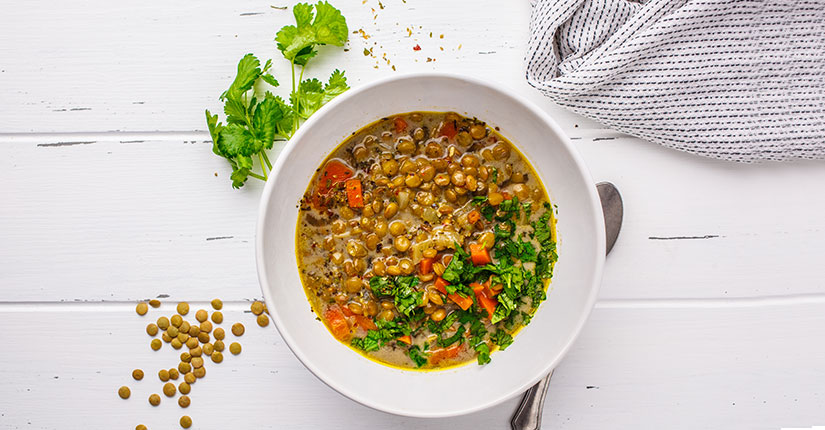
<point x="297" y="42"/>
<point x="483" y="351"/>
<point x="381" y="286"/>
<point x="417" y="356"/>
<point x="458" y="336"/>
<point x="502" y="339"/>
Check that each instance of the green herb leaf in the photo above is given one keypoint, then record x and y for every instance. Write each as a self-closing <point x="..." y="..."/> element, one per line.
<point x="417" y="356"/>
<point x="297" y="42"/>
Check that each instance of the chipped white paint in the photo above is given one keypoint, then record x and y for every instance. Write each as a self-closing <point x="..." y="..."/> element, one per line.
<point x="712" y="304"/>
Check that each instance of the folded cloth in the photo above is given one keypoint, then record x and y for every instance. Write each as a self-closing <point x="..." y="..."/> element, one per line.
<point x="740" y="80"/>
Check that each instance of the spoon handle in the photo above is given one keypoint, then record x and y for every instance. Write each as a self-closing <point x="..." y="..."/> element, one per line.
<point x="528" y="414"/>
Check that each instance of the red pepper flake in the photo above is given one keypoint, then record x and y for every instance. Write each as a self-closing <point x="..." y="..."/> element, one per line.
<point x="416" y="48"/>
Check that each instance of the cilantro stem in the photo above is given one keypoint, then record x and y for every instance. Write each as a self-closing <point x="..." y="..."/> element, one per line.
<point x="268" y="164"/>
<point x="263" y="167"/>
<point x="257" y="176"/>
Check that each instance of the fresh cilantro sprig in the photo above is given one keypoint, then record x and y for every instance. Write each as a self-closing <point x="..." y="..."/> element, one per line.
<point x="254" y="121"/>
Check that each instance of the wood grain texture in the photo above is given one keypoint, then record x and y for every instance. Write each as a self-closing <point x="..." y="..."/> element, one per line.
<point x="151" y="65"/>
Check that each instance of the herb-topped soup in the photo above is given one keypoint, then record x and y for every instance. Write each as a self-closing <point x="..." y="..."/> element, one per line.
<point x="426" y="240"/>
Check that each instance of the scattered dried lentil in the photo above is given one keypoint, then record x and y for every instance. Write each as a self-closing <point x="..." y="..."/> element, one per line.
<point x="169" y="389"/>
<point x="200" y="372"/>
<point x="163" y="375"/>
<point x="217" y="304"/>
<point x="155" y="303"/>
<point x="124" y="392"/>
<point x="151" y="329"/>
<point x="190" y="378"/>
<point x="184" y="388"/>
<point x="257" y="307"/>
<point x="237" y="329"/>
<point x="201" y="315"/>
<point x="154" y="399"/>
<point x="185" y="421"/>
<point x="217" y="317"/>
<point x="184" y="401"/>
<point x="173" y="373"/>
<point x="163" y="323"/>
<point x="197" y="362"/>
<point x="137" y="374"/>
<point x="206" y="327"/>
<point x="183" y="308"/>
<point x="184" y="368"/>
<point x="235" y="348"/>
<point x="155" y="344"/>
<point x="208" y="349"/>
<point x="263" y="320"/>
<point x="219" y="345"/>
<point x="176" y="320"/>
<point x="141" y="309"/>
<point x="219" y="333"/>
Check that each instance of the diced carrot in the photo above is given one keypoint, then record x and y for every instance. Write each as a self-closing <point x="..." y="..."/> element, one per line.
<point x="473" y="216"/>
<point x="445" y="353"/>
<point x="463" y="302"/>
<point x="406" y="339"/>
<point x="495" y="289"/>
<point x="334" y="173"/>
<point x="479" y="254"/>
<point x="448" y="129"/>
<point x="476" y="287"/>
<point x="400" y="124"/>
<point x="337" y="322"/>
<point x="365" y="323"/>
<point x="440" y="285"/>
<point x="426" y="265"/>
<point x="355" y="198"/>
<point x="486" y="300"/>
<point x="346" y="311"/>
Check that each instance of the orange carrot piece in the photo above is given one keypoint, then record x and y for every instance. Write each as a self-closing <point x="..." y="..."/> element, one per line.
<point x="476" y="287"/>
<point x="463" y="302"/>
<point x="479" y="254"/>
<point x="337" y="323"/>
<point x="445" y="353"/>
<point x="406" y="339"/>
<point x="486" y="300"/>
<point x="473" y="216"/>
<point x="440" y="285"/>
<point x="426" y="265"/>
<point x="448" y="129"/>
<point x="365" y="323"/>
<point x="355" y="198"/>
<point x="400" y="125"/>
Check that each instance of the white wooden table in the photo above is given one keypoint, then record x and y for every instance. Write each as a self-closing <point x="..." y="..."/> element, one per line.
<point x="711" y="313"/>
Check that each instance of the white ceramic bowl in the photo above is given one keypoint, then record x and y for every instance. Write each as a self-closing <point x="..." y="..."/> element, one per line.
<point x="536" y="350"/>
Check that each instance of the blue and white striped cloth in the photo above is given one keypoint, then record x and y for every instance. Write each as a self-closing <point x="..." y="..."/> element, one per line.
<point x="740" y="80"/>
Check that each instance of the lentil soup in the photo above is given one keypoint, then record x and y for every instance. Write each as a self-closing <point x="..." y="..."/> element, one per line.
<point x="426" y="240"/>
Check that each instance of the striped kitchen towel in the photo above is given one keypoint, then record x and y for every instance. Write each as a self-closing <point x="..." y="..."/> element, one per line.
<point x="740" y="80"/>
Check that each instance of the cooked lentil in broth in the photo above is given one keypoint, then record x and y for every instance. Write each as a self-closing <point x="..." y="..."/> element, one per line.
<point x="426" y="240"/>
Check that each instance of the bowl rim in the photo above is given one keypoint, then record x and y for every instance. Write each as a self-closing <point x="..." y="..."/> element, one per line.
<point x="504" y="91"/>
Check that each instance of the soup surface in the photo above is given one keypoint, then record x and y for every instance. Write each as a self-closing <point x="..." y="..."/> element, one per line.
<point x="426" y="240"/>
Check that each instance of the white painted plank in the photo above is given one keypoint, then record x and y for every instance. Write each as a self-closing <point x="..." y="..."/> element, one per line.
<point x="738" y="368"/>
<point x="125" y="220"/>
<point x="153" y="65"/>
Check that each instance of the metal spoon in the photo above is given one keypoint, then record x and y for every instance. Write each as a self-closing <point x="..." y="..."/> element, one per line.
<point x="528" y="414"/>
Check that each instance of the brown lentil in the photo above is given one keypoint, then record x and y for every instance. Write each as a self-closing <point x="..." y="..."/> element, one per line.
<point x="124" y="392"/>
<point x="141" y="309"/>
<point x="235" y="348"/>
<point x="137" y="374"/>
<point x="154" y="399"/>
<point x="183" y="308"/>
<point x="237" y="329"/>
<point x="263" y="320"/>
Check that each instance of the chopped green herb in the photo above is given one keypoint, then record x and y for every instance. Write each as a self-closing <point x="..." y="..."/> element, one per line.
<point x="418" y="357"/>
